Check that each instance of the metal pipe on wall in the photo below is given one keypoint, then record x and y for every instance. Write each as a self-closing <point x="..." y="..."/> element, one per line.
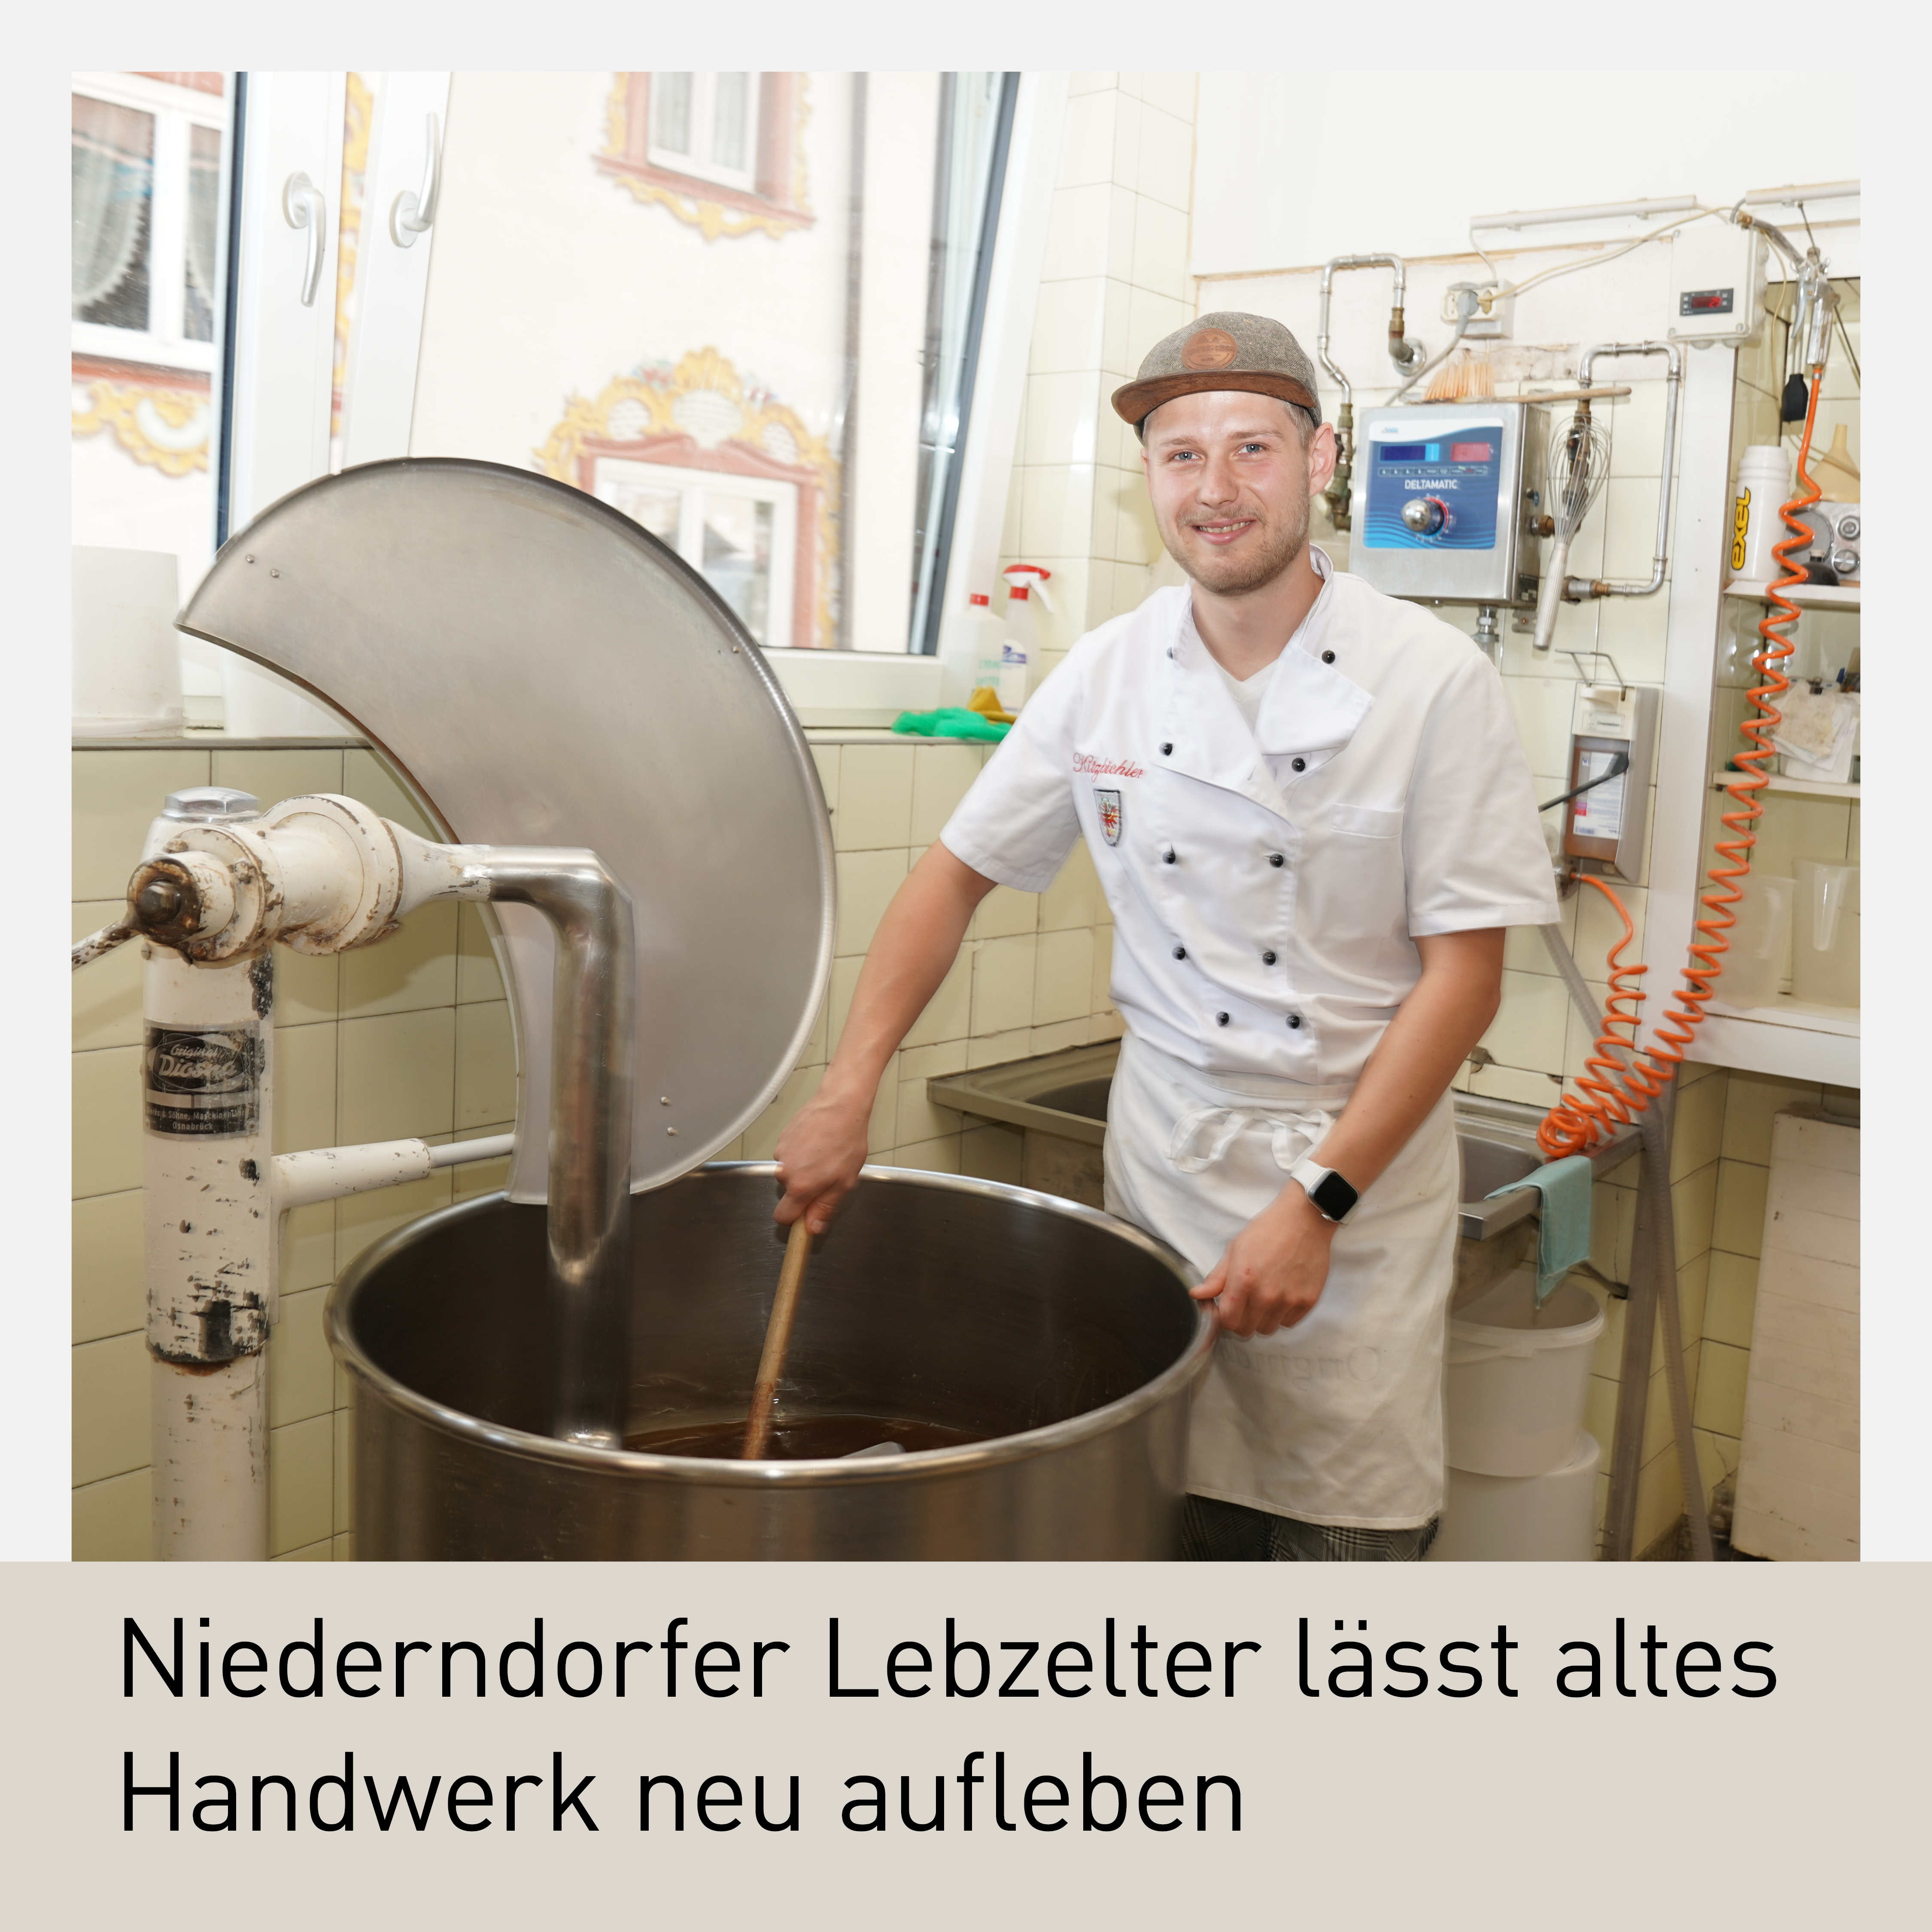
<point x="1584" y="586"/>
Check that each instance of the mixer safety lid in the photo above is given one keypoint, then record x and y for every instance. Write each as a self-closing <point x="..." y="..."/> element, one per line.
<point x="540" y="671"/>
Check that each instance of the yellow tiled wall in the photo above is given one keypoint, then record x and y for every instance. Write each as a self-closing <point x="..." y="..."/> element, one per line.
<point x="1031" y="978"/>
<point x="408" y="1038"/>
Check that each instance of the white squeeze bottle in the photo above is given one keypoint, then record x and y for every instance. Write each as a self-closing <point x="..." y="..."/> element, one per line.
<point x="1024" y="581"/>
<point x="970" y="652"/>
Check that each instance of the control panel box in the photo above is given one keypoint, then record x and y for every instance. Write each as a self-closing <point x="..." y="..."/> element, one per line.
<point x="1443" y="496"/>
<point x="1717" y="283"/>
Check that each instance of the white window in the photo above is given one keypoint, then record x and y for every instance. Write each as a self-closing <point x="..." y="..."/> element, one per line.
<point x="147" y="195"/>
<point x="705" y="125"/>
<point x="740" y="533"/>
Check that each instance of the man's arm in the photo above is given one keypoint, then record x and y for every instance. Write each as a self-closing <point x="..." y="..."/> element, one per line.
<point x="820" y="1153"/>
<point x="1275" y="1269"/>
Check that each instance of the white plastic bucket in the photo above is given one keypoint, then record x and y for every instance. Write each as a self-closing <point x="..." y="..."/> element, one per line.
<point x="1516" y="1377"/>
<point x="1547" y="1518"/>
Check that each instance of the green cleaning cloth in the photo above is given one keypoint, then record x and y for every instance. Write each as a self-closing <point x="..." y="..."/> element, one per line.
<point x="1563" y="1239"/>
<point x="950" y="720"/>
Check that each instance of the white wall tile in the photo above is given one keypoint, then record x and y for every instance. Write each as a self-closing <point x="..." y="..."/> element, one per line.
<point x="1528" y="1031"/>
<point x="272" y="776"/>
<point x="110" y="1407"/>
<point x="1062" y="409"/>
<point x="477" y="976"/>
<point x="867" y="881"/>
<point x="1166" y="161"/>
<point x="1172" y="93"/>
<point x="1056" y="510"/>
<point x="1086" y="139"/>
<point x="301" y="1373"/>
<point x="396" y="1075"/>
<point x="948" y="1014"/>
<point x="112" y="1521"/>
<point x="1005" y="912"/>
<point x="410" y="969"/>
<point x="107" y="994"/>
<point x="109" y="1292"/>
<point x="304" y="1088"/>
<point x="117" y="795"/>
<point x="486" y="1067"/>
<point x="300" y="1485"/>
<point x="875" y="797"/>
<point x="1160" y="250"/>
<point x="1002" y="985"/>
<point x="1063" y="977"/>
<point x="938" y="1156"/>
<point x="1077" y="233"/>
<point x="106" y="1132"/>
<point x="1069" y="326"/>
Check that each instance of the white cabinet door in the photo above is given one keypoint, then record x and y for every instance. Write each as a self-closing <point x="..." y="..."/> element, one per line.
<point x="284" y="344"/>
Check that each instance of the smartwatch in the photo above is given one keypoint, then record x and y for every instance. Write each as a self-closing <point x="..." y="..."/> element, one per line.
<point x="1334" y="1199"/>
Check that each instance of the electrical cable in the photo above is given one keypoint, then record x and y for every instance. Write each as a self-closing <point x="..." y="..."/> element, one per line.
<point x="1610" y="1093"/>
<point x="1589" y="261"/>
<point x="1619" y="764"/>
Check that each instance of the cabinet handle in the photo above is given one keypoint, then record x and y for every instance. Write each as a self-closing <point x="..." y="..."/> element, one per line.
<point x="303" y="207"/>
<point x="411" y="215"/>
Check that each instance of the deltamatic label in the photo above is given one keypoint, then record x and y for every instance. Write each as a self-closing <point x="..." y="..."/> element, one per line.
<point x="202" y="1081"/>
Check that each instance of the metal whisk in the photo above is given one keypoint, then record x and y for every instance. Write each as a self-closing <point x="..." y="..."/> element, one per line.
<point x="1580" y="460"/>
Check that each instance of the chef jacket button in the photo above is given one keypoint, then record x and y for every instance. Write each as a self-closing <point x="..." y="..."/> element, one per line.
<point x="1328" y="657"/>
<point x="1220" y="1019"/>
<point x="1165" y="750"/>
<point x="1299" y="765"/>
<point x="1167" y="857"/>
<point x="1267" y="958"/>
<point x="1276" y="859"/>
<point x="1293" y="1021"/>
<point x="1181" y="953"/>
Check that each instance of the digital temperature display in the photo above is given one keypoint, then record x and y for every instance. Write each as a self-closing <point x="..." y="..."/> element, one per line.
<point x="1404" y="452"/>
<point x="1706" y="301"/>
<point x="1471" y="452"/>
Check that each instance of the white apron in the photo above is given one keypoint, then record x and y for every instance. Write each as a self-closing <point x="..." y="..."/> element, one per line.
<point x="1339" y="1419"/>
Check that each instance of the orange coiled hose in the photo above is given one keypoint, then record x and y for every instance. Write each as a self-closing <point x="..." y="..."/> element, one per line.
<point x="1613" y="1090"/>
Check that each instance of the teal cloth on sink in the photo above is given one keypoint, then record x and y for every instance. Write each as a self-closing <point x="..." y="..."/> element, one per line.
<point x="1563" y="1239"/>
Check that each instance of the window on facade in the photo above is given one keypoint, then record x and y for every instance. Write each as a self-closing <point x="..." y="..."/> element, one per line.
<point x="762" y="306"/>
<point x="705" y="125"/>
<point x="739" y="531"/>
<point x="149" y="156"/>
<point x="146" y="187"/>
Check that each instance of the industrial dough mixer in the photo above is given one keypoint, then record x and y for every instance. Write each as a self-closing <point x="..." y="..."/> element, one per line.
<point x="617" y="771"/>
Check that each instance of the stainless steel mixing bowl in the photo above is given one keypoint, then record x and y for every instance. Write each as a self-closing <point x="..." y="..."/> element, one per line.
<point x="1064" y="1338"/>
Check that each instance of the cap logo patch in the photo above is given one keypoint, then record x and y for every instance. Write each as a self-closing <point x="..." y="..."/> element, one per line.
<point x="1209" y="348"/>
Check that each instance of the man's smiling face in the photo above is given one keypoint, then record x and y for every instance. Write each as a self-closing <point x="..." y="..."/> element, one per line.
<point x="1231" y="478"/>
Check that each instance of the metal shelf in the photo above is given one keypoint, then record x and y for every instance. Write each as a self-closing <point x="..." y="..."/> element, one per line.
<point x="1806" y="596"/>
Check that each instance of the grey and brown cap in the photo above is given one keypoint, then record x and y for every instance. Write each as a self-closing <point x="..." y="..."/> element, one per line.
<point x="1226" y="350"/>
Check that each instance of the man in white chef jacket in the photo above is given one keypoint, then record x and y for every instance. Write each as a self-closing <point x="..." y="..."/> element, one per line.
<point x="1313" y="824"/>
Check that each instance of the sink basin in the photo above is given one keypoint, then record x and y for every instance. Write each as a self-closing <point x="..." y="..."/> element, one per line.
<point x="1059" y="1102"/>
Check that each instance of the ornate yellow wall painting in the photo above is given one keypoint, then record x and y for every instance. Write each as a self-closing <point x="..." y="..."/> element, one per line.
<point x="700" y="413"/>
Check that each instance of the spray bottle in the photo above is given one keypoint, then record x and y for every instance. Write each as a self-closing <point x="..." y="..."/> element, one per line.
<point x="1023" y="582"/>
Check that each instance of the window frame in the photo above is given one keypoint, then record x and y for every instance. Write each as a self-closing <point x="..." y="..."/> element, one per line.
<point x="175" y="109"/>
<point x="704" y="119"/>
<point x="743" y="475"/>
<point x="774" y="204"/>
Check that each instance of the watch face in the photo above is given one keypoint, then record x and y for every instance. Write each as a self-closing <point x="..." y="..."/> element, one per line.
<point x="1333" y="1196"/>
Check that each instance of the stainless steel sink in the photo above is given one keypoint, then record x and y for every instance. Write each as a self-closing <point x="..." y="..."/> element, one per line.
<point x="1059" y="1102"/>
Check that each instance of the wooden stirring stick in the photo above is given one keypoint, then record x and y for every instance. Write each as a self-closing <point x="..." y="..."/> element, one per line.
<point x="777" y="1339"/>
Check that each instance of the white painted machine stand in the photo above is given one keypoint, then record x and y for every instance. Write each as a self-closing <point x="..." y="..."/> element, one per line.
<point x="220" y="882"/>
